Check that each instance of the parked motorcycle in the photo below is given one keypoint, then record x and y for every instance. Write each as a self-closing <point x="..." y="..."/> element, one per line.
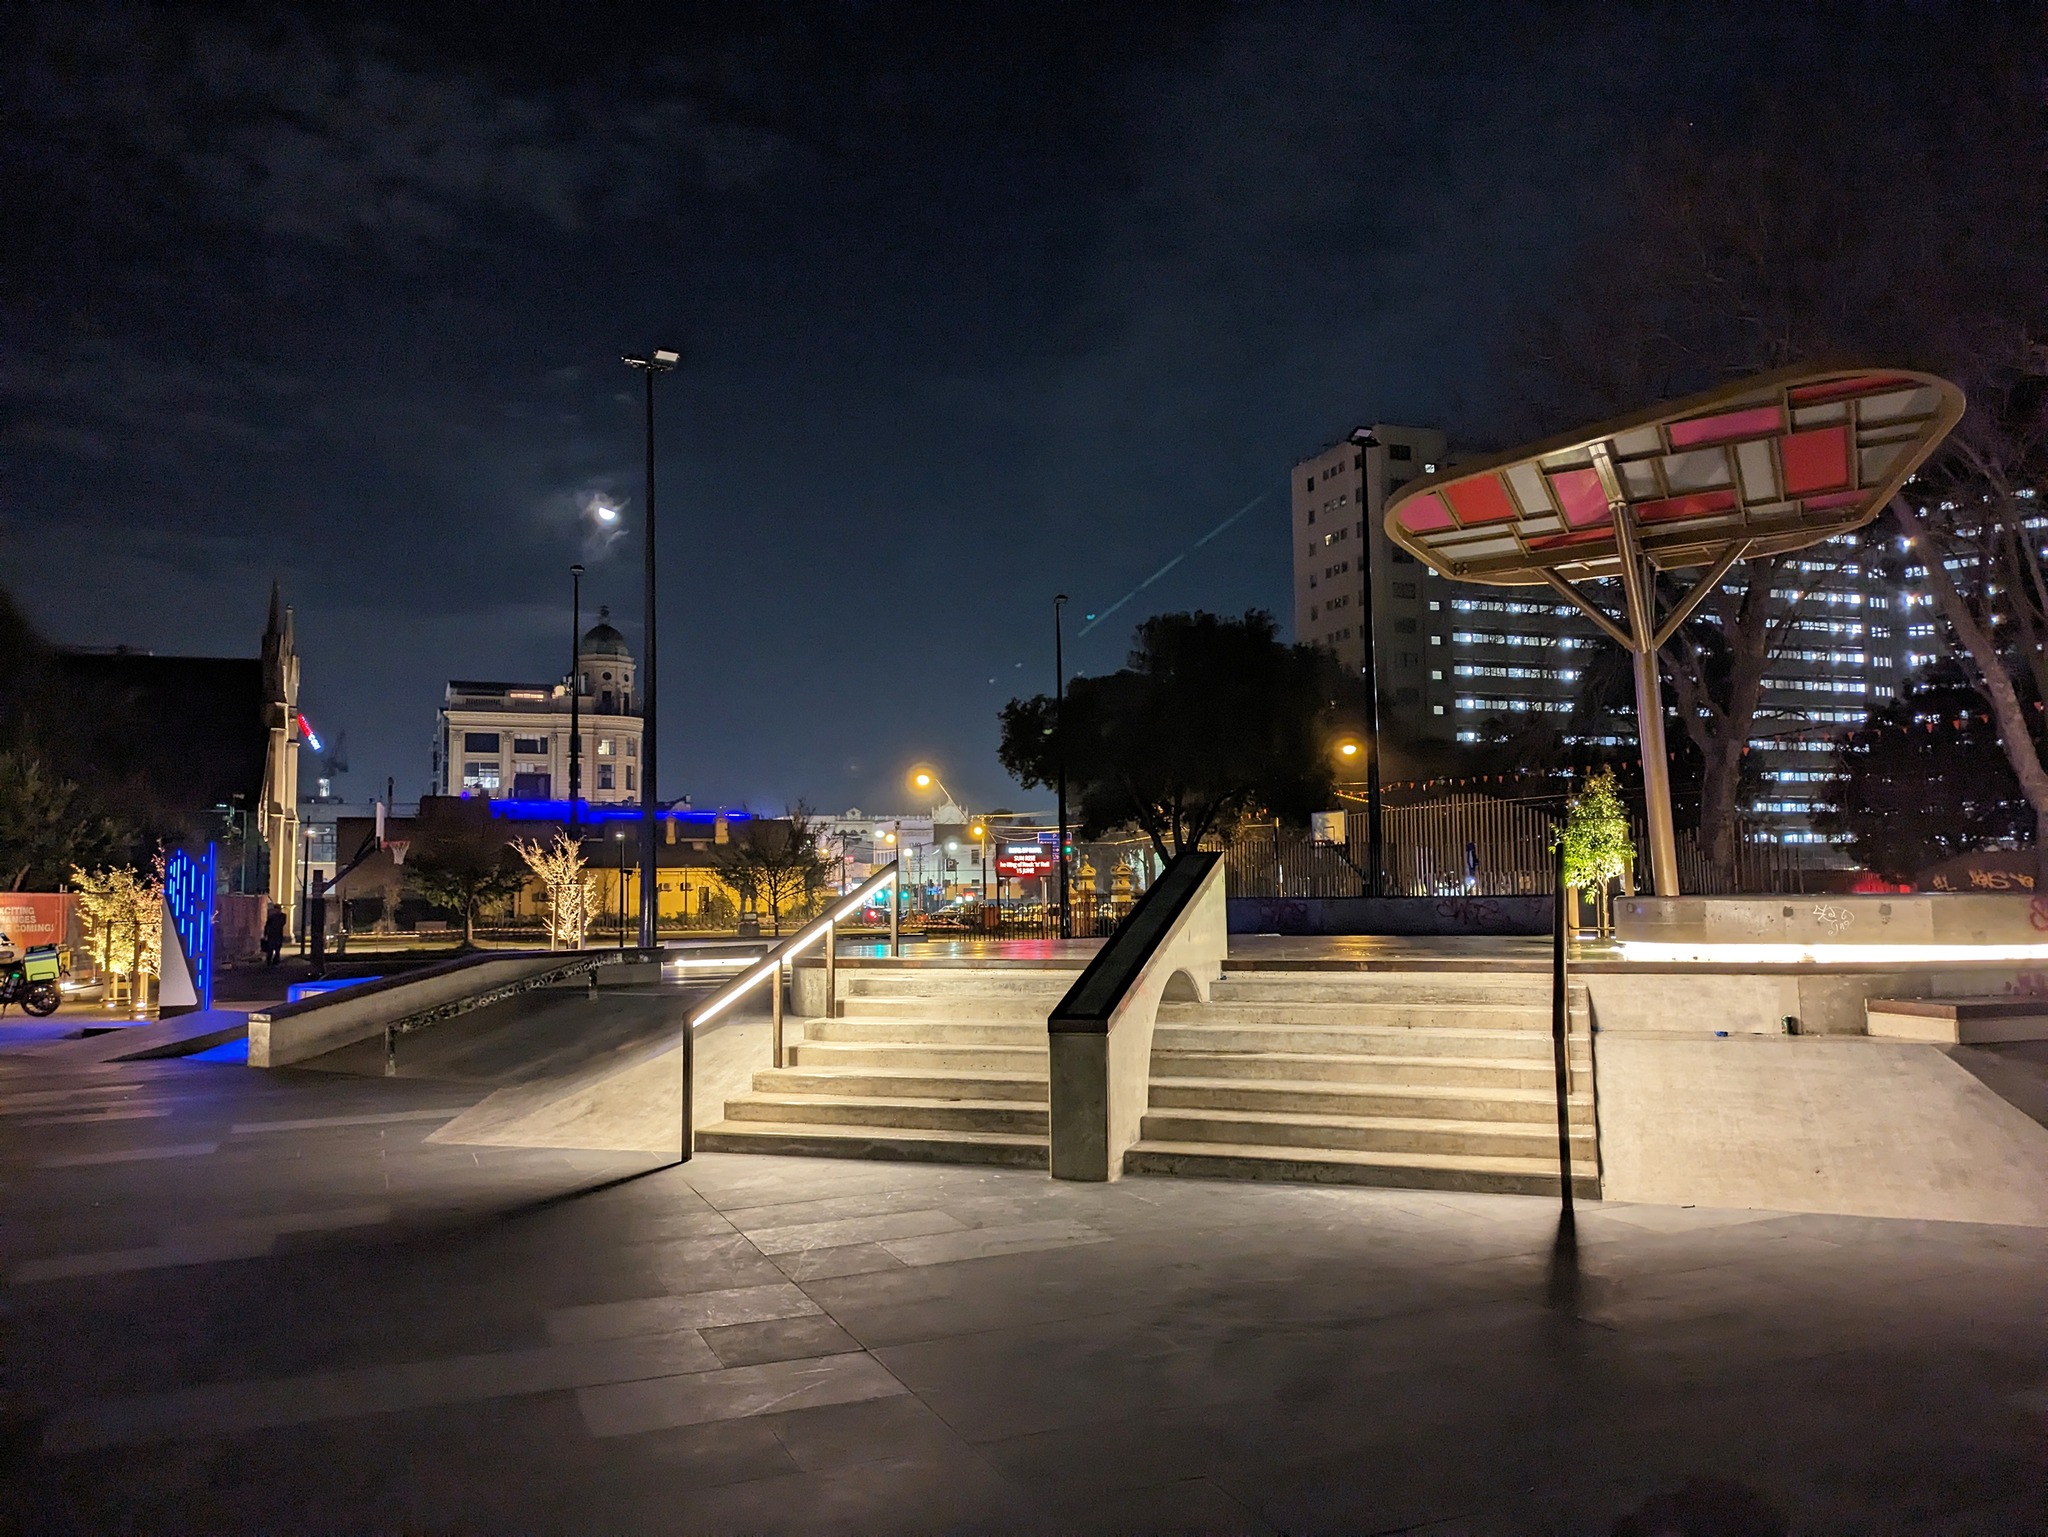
<point x="30" y="979"/>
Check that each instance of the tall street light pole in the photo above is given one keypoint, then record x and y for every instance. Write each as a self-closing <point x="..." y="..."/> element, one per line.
<point x="575" y="690"/>
<point x="1059" y="713"/>
<point x="658" y="361"/>
<point x="1375" y="834"/>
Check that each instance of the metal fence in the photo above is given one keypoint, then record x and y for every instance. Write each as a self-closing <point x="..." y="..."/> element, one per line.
<point x="1484" y="846"/>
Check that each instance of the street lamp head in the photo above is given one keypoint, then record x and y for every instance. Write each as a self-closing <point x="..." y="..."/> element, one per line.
<point x="666" y="358"/>
<point x="577" y="569"/>
<point x="977" y="831"/>
<point x="1361" y="437"/>
<point x="1349" y="749"/>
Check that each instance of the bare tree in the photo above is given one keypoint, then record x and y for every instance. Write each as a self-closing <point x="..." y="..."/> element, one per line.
<point x="1791" y="242"/>
<point x="1977" y="527"/>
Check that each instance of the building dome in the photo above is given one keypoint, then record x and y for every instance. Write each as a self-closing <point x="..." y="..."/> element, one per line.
<point x="602" y="640"/>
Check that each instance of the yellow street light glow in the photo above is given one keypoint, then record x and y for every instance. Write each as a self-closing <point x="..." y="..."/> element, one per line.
<point x="922" y="781"/>
<point x="888" y="837"/>
<point x="977" y="831"/>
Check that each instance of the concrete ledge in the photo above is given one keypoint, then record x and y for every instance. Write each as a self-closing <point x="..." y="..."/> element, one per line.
<point x="1172" y="945"/>
<point x="1912" y="918"/>
<point x="1958" y="1021"/>
<point x="294" y="1032"/>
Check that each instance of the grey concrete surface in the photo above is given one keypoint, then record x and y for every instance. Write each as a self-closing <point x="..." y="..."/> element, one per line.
<point x="312" y="1318"/>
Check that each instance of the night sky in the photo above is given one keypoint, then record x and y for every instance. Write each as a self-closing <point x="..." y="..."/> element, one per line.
<point x="977" y="304"/>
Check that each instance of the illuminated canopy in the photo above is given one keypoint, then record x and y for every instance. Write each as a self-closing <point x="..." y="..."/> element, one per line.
<point x="1775" y="463"/>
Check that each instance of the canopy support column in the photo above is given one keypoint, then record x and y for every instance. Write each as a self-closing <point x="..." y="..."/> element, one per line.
<point x="1641" y="596"/>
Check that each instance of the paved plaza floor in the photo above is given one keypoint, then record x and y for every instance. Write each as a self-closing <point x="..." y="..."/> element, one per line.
<point x="242" y="1302"/>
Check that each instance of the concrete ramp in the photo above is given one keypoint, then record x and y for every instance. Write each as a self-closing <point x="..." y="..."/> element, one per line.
<point x="179" y="1036"/>
<point x="627" y="1099"/>
<point x="1843" y="1125"/>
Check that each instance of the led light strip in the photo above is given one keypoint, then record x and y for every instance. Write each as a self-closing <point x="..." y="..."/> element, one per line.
<point x="1827" y="954"/>
<point x="736" y="988"/>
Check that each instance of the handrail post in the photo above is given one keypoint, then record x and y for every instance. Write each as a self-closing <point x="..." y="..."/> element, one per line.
<point x="831" y="969"/>
<point x="775" y="1010"/>
<point x="895" y="900"/>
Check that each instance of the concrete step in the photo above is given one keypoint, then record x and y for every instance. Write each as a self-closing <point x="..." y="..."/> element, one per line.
<point x="864" y="982"/>
<point x="1522" y="988"/>
<point x="1021" y="1088"/>
<point x="1509" y="1175"/>
<point x="1351" y="1067"/>
<point x="901" y="1057"/>
<point x="1020" y="1009"/>
<point x="870" y="1111"/>
<point x="1420" y="1039"/>
<point x="1010" y="1150"/>
<point x="1368" y="1134"/>
<point x="1466" y="1016"/>
<point x="938" y="1030"/>
<point x="1514" y="1106"/>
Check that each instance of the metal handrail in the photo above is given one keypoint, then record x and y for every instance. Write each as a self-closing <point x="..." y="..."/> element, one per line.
<point x="770" y="965"/>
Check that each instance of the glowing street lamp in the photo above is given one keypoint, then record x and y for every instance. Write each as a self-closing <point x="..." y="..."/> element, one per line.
<point x="658" y="361"/>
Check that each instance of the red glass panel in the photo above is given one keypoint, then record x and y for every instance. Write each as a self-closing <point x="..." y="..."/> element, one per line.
<point x="1751" y="422"/>
<point x="1482" y="499"/>
<point x="1816" y="460"/>
<point x="1696" y="505"/>
<point x="1583" y="536"/>
<point x="1424" y="515"/>
<point x="1838" y="389"/>
<point x="1581" y="496"/>
<point x="1833" y="500"/>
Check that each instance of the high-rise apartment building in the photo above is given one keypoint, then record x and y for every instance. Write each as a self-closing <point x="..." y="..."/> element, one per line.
<point x="1453" y="654"/>
<point x="1340" y="499"/>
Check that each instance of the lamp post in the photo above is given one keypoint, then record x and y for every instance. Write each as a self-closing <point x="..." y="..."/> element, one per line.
<point x="575" y="689"/>
<point x="1363" y="440"/>
<point x="305" y="891"/>
<point x="1059" y="712"/>
<point x="658" y="361"/>
<point x="619" y="837"/>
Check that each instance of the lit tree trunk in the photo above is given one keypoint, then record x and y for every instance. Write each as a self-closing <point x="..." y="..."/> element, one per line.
<point x="1993" y="680"/>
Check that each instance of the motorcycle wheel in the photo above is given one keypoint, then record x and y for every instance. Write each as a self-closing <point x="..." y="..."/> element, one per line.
<point x="42" y="999"/>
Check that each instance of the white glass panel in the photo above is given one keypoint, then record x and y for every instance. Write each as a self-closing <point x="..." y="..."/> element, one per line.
<point x="1704" y="469"/>
<point x="1759" y="474"/>
<point x="1530" y="488"/>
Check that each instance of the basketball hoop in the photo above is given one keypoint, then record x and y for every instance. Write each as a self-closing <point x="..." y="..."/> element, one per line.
<point x="396" y="847"/>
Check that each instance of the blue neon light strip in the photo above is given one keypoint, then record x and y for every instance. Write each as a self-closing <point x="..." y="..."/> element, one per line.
<point x="188" y="889"/>
<point x="558" y="811"/>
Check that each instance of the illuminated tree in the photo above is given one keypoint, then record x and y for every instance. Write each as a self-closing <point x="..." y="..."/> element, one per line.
<point x="121" y="916"/>
<point x="571" y="888"/>
<point x="1597" y="845"/>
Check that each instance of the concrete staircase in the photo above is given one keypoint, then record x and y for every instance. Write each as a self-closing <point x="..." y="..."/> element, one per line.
<point x="1412" y="1077"/>
<point x="932" y="1063"/>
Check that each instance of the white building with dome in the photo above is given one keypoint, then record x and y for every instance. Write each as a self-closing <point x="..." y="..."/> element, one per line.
<point x="511" y="740"/>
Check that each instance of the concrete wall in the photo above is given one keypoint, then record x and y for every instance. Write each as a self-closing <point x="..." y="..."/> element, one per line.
<point x="1863" y="1127"/>
<point x="1390" y="915"/>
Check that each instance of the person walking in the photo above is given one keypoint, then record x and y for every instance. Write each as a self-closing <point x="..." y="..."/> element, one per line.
<point x="273" y="935"/>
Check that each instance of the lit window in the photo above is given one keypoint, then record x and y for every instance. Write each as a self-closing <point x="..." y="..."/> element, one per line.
<point x="604" y="747"/>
